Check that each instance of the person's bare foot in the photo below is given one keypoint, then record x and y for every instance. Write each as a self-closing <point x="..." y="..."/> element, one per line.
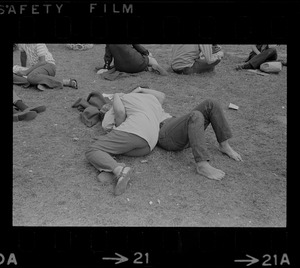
<point x="226" y="149"/>
<point x="205" y="169"/>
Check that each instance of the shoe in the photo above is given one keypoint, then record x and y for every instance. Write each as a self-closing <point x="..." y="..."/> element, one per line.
<point x="159" y="69"/>
<point x="24" y="116"/>
<point x="41" y="87"/>
<point x="101" y="71"/>
<point x="122" y="180"/>
<point x="37" y="109"/>
<point x="73" y="83"/>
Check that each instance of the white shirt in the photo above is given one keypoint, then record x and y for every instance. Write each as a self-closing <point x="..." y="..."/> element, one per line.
<point x="143" y="116"/>
<point x="34" y="51"/>
<point x="185" y="55"/>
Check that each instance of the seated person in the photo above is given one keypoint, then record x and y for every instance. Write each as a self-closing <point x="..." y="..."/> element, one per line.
<point x="130" y="59"/>
<point x="189" y="59"/>
<point x="41" y="68"/>
<point x="132" y="124"/>
<point x="21" y="112"/>
<point x="258" y="55"/>
<point x="178" y="133"/>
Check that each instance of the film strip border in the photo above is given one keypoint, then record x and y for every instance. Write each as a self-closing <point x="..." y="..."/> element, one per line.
<point x="150" y="21"/>
<point x="146" y="247"/>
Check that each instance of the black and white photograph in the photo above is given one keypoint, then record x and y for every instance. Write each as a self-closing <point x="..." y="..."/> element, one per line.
<point x="149" y="135"/>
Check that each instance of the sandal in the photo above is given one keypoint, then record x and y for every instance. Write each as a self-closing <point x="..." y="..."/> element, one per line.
<point x="73" y="83"/>
<point x="122" y="180"/>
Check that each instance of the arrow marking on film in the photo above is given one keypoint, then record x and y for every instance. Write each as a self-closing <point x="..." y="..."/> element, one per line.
<point x="119" y="259"/>
<point x="251" y="261"/>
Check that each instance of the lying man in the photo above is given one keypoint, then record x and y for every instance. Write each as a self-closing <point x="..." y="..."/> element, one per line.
<point x="178" y="133"/>
<point x="190" y="59"/>
<point x="132" y="124"/>
<point x="131" y="59"/>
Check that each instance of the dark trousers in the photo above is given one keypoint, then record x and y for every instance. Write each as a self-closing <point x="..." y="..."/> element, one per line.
<point x="269" y="54"/>
<point x="126" y="58"/>
<point x="178" y="133"/>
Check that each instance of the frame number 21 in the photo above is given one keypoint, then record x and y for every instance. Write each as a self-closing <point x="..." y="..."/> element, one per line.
<point x="140" y="258"/>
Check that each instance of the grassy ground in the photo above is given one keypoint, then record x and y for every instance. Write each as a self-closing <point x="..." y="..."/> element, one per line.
<point x="54" y="185"/>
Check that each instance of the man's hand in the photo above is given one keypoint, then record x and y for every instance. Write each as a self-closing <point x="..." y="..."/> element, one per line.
<point x="119" y="109"/>
<point x="21" y="73"/>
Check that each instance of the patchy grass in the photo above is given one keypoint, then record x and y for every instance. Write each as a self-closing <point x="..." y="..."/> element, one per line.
<point x="54" y="185"/>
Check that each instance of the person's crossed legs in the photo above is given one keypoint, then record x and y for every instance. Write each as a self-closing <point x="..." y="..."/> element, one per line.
<point x="44" y="77"/>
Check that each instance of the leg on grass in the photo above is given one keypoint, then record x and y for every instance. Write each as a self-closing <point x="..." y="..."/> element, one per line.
<point x="214" y="115"/>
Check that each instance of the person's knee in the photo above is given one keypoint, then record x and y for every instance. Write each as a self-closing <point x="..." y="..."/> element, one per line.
<point x="32" y="77"/>
<point x="212" y="103"/>
<point x="196" y="115"/>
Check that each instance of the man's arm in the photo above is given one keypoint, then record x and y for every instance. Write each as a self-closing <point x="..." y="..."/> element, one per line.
<point x="109" y="120"/>
<point x="209" y="56"/>
<point x="119" y="110"/>
<point x="23" y="58"/>
<point x="255" y="50"/>
<point x="42" y="61"/>
<point x="141" y="49"/>
<point x="159" y="95"/>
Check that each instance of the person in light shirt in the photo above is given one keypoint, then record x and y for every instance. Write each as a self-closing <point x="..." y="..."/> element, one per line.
<point x="136" y="123"/>
<point x="41" y="69"/>
<point x="194" y="58"/>
<point x="132" y="126"/>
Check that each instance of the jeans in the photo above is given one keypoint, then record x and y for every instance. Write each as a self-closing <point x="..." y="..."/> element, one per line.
<point x="269" y="54"/>
<point x="115" y="143"/>
<point x="20" y="80"/>
<point x="42" y="75"/>
<point x="178" y="133"/>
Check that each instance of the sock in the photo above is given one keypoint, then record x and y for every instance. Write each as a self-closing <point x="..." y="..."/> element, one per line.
<point x="21" y="105"/>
